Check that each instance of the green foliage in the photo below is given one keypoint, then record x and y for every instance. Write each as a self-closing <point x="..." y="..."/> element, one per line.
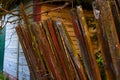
<point x="3" y="77"/>
<point x="101" y="65"/>
<point x="99" y="59"/>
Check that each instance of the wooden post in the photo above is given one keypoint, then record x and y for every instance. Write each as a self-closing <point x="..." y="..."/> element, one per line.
<point x="36" y="10"/>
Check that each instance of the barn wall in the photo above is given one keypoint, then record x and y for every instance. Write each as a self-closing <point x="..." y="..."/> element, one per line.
<point x="14" y="61"/>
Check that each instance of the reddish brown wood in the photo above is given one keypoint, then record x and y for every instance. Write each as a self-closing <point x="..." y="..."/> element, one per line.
<point x="29" y="53"/>
<point x="22" y="41"/>
<point x="78" y="67"/>
<point x="36" y="10"/>
<point x="58" y="48"/>
<point x="30" y="42"/>
<point x="47" y="52"/>
<point x="85" y="45"/>
<point x="45" y="26"/>
<point x="68" y="63"/>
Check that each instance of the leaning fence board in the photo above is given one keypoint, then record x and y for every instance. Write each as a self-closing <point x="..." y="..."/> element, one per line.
<point x="116" y="17"/>
<point x="29" y="53"/>
<point x="85" y="32"/>
<point x="71" y="50"/>
<point x="52" y="45"/>
<point x="108" y="24"/>
<point x="21" y="38"/>
<point x="59" y="49"/>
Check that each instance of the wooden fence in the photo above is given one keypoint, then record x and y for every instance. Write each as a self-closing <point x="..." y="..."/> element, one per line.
<point x="51" y="54"/>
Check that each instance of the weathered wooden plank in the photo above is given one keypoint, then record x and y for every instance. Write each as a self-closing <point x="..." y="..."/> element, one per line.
<point x="68" y="60"/>
<point x="28" y="51"/>
<point x="108" y="25"/>
<point x="47" y="52"/>
<point x="49" y="37"/>
<point x="21" y="37"/>
<point x="72" y="52"/>
<point x="116" y="17"/>
<point x="60" y="51"/>
<point x="85" y="32"/>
